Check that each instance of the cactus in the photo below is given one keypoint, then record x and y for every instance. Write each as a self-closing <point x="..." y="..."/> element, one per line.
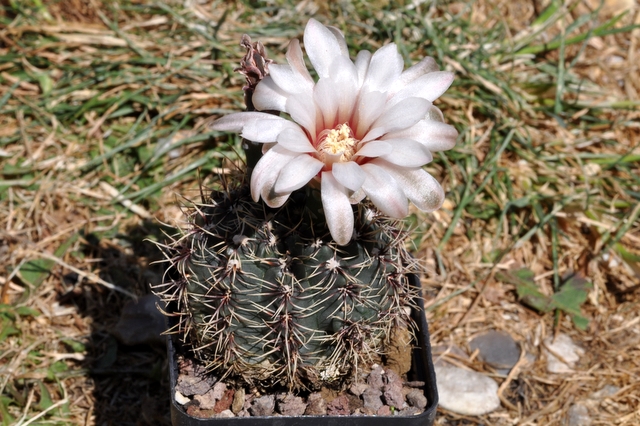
<point x="296" y="274"/>
<point x="266" y="295"/>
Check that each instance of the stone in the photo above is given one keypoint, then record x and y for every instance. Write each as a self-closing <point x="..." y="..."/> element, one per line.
<point x="371" y="398"/>
<point x="316" y="405"/>
<point x="466" y="392"/>
<point x="416" y="398"/>
<point x="224" y="403"/>
<point x="238" y="400"/>
<point x="605" y="392"/>
<point x="384" y="411"/>
<point x="358" y="388"/>
<point x="578" y="415"/>
<point x="263" y="406"/>
<point x="410" y="411"/>
<point x="141" y="323"/>
<point x="192" y="385"/>
<point x="374" y="379"/>
<point x="181" y="399"/>
<point x="206" y="401"/>
<point x="291" y="405"/>
<point x="339" y="406"/>
<point x="392" y="390"/>
<point x="226" y="414"/>
<point x="563" y="347"/>
<point x="496" y="348"/>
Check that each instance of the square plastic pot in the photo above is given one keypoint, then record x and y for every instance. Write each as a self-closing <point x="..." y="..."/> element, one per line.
<point x="421" y="370"/>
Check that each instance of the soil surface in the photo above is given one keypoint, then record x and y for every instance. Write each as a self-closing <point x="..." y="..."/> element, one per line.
<point x="383" y="390"/>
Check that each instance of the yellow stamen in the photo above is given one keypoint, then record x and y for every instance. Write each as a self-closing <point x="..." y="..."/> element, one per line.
<point x="338" y="141"/>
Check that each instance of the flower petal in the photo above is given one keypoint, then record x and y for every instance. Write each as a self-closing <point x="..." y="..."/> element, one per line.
<point x="362" y="64"/>
<point x="385" y="67"/>
<point x="295" y="140"/>
<point x="256" y="126"/>
<point x="269" y="96"/>
<point x="303" y="111"/>
<point x="266" y="130"/>
<point x="337" y="209"/>
<point x="341" y="41"/>
<point x="369" y="107"/>
<point x="426" y="65"/>
<point x="407" y="153"/>
<point x="321" y="46"/>
<point x="430" y="87"/>
<point x="384" y="191"/>
<point x="418" y="185"/>
<point x="349" y="174"/>
<point x="336" y="94"/>
<point x="433" y="135"/>
<point x="403" y="114"/>
<point x="296" y="59"/>
<point x="297" y="174"/>
<point x="265" y="174"/>
<point x="374" y="149"/>
<point x="289" y="79"/>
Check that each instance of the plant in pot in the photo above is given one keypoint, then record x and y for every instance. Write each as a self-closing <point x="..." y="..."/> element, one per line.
<point x="292" y="282"/>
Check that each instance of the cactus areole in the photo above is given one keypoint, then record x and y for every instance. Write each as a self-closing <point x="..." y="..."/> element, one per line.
<point x="295" y="274"/>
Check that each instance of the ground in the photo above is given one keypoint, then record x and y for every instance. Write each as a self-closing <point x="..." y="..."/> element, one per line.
<point x="103" y="134"/>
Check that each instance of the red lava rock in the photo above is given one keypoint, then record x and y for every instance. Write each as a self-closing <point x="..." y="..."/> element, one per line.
<point x="375" y="377"/>
<point x="358" y="388"/>
<point x="339" y="406"/>
<point x="316" y="405"/>
<point x="371" y="398"/>
<point x="291" y="405"/>
<point x="393" y="390"/>
<point x="384" y="411"/>
<point x="224" y="403"/>
<point x="416" y="398"/>
<point x="263" y="406"/>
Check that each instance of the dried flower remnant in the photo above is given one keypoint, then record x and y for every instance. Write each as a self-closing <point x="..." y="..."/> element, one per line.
<point x="364" y="129"/>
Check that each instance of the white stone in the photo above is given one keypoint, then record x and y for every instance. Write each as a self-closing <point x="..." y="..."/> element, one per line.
<point x="466" y="392"/>
<point x="563" y="347"/>
<point x="579" y="416"/>
<point x="180" y="398"/>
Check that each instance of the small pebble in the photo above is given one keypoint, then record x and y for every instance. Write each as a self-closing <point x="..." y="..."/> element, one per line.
<point x="496" y="348"/>
<point x="579" y="416"/>
<point x="316" y="405"/>
<point x="339" y="406"/>
<point x="238" y="401"/>
<point x="226" y="414"/>
<point x="371" y="398"/>
<point x="181" y="399"/>
<point x="416" y="399"/>
<point x="564" y="347"/>
<point x="290" y="405"/>
<point x="466" y="392"/>
<point x="374" y="380"/>
<point x="263" y="406"/>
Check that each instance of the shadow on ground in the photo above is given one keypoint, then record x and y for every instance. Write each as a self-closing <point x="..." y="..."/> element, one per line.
<point x="129" y="375"/>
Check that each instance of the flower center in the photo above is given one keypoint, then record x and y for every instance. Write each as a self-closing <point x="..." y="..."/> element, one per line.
<point x="338" y="145"/>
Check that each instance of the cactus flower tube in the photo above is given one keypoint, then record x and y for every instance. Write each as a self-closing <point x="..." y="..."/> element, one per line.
<point x="364" y="129"/>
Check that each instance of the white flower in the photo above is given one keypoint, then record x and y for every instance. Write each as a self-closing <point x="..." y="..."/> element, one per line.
<point x="363" y="129"/>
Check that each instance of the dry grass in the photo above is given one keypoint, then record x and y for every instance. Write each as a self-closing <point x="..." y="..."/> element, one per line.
<point x="103" y="112"/>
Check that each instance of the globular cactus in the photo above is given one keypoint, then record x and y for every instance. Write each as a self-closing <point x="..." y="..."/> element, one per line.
<point x="266" y="295"/>
<point x="297" y="275"/>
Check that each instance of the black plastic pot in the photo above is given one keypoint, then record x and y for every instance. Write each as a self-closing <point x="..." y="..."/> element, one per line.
<point x="421" y="370"/>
